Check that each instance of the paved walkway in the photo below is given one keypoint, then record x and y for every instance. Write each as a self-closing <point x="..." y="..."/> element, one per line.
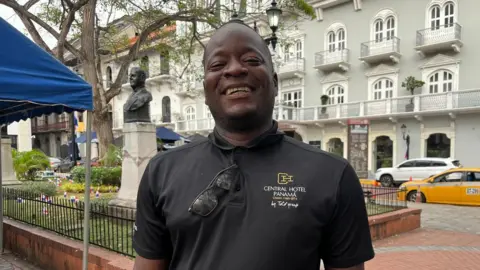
<point x="8" y="261"/>
<point x="449" y="239"/>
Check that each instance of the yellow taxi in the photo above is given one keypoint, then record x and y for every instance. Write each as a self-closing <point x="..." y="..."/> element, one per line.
<point x="454" y="186"/>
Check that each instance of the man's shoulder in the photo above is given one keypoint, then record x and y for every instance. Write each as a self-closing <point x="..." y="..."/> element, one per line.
<point x="313" y="154"/>
<point x="193" y="150"/>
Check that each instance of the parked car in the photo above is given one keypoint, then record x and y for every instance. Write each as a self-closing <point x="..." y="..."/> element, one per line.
<point x="95" y="162"/>
<point x="54" y="163"/>
<point x="454" y="186"/>
<point x="60" y="165"/>
<point x="417" y="169"/>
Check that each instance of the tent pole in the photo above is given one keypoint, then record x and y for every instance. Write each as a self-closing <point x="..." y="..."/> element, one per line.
<point x="1" y="195"/>
<point x="88" y="169"/>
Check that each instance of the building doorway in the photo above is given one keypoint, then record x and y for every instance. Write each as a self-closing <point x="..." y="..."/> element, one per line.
<point x="382" y="152"/>
<point x="335" y="146"/>
<point x="438" y="145"/>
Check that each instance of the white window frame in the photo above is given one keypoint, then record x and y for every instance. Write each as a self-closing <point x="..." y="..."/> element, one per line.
<point x="454" y="68"/>
<point x="190" y="113"/>
<point x="442" y="84"/>
<point x="332" y="37"/>
<point x="382" y="18"/>
<point x="208" y="114"/>
<point x="299" y="49"/>
<point x="300" y="91"/>
<point x="384" y="86"/>
<point x="382" y="72"/>
<point x="442" y="5"/>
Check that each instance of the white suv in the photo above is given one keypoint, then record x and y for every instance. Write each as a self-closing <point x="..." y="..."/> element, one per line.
<point x="417" y="169"/>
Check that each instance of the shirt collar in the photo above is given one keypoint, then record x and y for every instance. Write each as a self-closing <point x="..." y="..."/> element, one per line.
<point x="271" y="136"/>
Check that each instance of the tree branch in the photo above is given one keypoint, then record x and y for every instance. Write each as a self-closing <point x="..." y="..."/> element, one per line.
<point x="20" y="9"/>
<point x="34" y="33"/>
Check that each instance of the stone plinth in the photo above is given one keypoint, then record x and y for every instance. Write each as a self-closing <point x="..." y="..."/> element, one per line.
<point x="140" y="145"/>
<point x="8" y="173"/>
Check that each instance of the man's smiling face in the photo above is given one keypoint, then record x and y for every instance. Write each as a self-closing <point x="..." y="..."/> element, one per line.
<point x="239" y="81"/>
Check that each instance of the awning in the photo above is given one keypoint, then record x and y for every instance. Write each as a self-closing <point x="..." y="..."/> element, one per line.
<point x="166" y="134"/>
<point x="83" y="138"/>
<point x="34" y="83"/>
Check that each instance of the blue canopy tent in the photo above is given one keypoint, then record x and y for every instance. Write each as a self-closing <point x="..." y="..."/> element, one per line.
<point x="83" y="138"/>
<point x="166" y="134"/>
<point x="33" y="83"/>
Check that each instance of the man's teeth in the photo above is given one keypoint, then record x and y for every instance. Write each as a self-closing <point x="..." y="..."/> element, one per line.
<point x="237" y="89"/>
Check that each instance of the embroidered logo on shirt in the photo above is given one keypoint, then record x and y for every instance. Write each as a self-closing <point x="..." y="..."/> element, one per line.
<point x="286" y="194"/>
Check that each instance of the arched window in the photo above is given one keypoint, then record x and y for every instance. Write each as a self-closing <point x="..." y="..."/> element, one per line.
<point x="383" y="89"/>
<point x="166" y="111"/>
<point x="336" y="94"/>
<point x="109" y="76"/>
<point x="442" y="15"/>
<point x="384" y="26"/>
<point x="440" y="81"/>
<point x="189" y="113"/>
<point x="336" y="38"/>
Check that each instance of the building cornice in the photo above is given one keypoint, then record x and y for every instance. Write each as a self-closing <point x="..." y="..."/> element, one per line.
<point x="320" y="5"/>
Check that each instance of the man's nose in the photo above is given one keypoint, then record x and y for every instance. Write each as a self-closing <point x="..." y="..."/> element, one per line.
<point x="235" y="69"/>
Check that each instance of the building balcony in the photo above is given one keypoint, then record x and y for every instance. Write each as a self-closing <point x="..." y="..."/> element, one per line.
<point x="292" y="68"/>
<point x="53" y="127"/>
<point x="190" y="89"/>
<point x="450" y="103"/>
<point x="332" y="60"/>
<point x="195" y="126"/>
<point x="375" y="51"/>
<point x="441" y="38"/>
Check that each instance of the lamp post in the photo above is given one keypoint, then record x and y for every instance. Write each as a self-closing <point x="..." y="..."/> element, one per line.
<point x="406" y="138"/>
<point x="273" y="15"/>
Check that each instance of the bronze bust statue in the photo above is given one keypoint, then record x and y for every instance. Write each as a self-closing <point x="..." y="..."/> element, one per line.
<point x="137" y="106"/>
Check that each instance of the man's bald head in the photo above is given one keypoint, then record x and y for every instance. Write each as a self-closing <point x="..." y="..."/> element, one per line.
<point x="238" y="26"/>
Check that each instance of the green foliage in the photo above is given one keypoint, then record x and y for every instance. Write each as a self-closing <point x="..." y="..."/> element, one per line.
<point x="46" y="188"/>
<point x="80" y="188"/>
<point x="411" y="84"/>
<point x="113" y="157"/>
<point x="27" y="164"/>
<point x="100" y="175"/>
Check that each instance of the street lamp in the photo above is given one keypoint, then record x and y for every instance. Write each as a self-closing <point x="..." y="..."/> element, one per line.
<point x="406" y="138"/>
<point x="273" y="15"/>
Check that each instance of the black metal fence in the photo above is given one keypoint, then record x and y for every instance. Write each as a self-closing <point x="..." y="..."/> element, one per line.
<point x="381" y="200"/>
<point x="110" y="227"/>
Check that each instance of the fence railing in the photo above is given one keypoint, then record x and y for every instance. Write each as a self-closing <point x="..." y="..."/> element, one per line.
<point x="329" y="57"/>
<point x="439" y="34"/>
<point x="380" y="200"/>
<point x="376" y="47"/>
<point x="110" y="227"/>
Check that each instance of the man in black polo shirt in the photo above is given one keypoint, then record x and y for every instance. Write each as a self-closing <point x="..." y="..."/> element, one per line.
<point x="248" y="197"/>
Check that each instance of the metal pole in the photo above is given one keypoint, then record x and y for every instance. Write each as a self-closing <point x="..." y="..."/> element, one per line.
<point x="72" y="127"/>
<point x="1" y="194"/>
<point x="86" y="219"/>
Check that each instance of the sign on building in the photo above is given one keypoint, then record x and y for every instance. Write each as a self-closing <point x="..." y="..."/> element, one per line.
<point x="358" y="146"/>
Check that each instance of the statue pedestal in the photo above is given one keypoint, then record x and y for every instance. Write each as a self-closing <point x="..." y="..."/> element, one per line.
<point x="8" y="173"/>
<point x="139" y="146"/>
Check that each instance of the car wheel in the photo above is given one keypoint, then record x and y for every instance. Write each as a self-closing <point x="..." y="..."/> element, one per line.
<point x="412" y="196"/>
<point x="386" y="180"/>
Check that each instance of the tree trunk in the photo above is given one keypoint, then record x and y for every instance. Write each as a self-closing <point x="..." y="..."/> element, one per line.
<point x="102" y="123"/>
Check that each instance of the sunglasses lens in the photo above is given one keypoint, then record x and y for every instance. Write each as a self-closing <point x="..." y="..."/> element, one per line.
<point x="224" y="181"/>
<point x="205" y="203"/>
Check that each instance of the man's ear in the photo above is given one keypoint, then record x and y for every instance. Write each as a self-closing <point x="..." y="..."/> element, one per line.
<point x="275" y="83"/>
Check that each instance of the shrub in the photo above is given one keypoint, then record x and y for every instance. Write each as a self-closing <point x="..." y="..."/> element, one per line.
<point x="113" y="157"/>
<point x="46" y="188"/>
<point x="100" y="175"/>
<point x="27" y="164"/>
<point x="80" y="188"/>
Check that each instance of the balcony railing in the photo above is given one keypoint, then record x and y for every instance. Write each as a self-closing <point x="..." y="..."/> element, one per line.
<point x="380" y="49"/>
<point x="327" y="60"/>
<point x="439" y="36"/>
<point x="42" y="127"/>
<point x="291" y="67"/>
<point x="204" y="124"/>
<point x="427" y="103"/>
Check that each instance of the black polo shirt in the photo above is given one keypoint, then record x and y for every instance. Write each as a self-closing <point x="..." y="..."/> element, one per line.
<point x="291" y="206"/>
